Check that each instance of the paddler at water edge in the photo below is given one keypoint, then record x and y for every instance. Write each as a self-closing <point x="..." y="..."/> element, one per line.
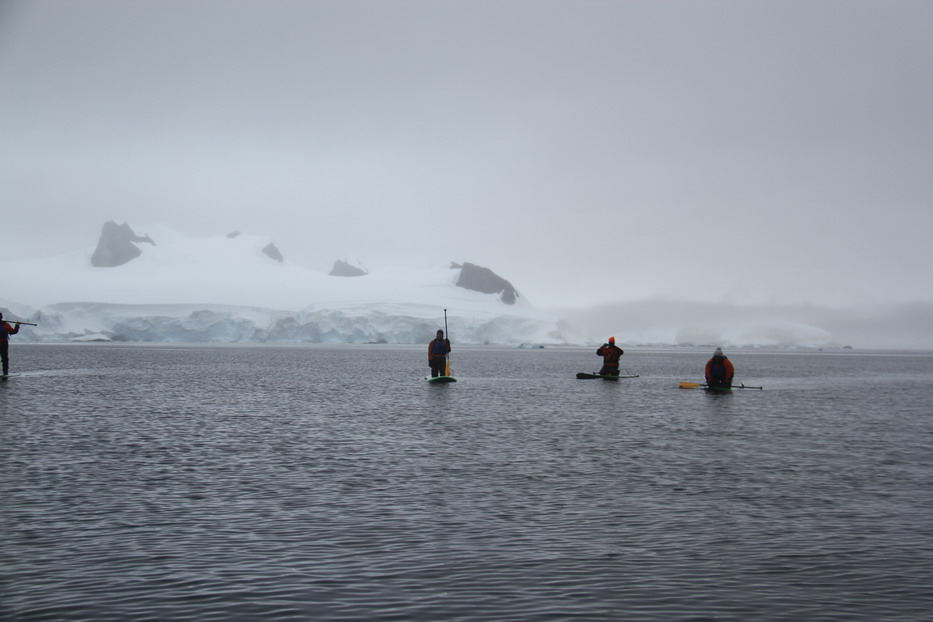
<point x="437" y="354"/>
<point x="5" y="331"/>
<point x="611" y="354"/>
<point x="719" y="371"/>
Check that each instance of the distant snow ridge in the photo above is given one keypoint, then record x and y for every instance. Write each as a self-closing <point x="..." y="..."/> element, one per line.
<point x="117" y="246"/>
<point x="239" y="287"/>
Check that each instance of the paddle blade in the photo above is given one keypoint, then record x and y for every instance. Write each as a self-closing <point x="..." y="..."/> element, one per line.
<point x="691" y="385"/>
<point x="447" y="368"/>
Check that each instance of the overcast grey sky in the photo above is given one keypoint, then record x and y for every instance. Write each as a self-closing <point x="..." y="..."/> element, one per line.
<point x="585" y="150"/>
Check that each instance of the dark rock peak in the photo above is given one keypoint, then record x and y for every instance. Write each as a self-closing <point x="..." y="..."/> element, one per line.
<point x="480" y="279"/>
<point x="117" y="245"/>
<point x="233" y="234"/>
<point x="272" y="251"/>
<point x="343" y="268"/>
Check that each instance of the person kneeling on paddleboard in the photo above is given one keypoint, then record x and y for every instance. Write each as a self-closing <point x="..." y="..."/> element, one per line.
<point x="611" y="354"/>
<point x="719" y="371"/>
<point x="437" y="354"/>
<point x="5" y="331"/>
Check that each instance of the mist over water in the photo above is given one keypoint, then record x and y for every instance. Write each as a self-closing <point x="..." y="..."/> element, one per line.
<point x="327" y="482"/>
<point x="881" y="326"/>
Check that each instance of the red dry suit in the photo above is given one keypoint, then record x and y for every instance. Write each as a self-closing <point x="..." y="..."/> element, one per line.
<point x="611" y="354"/>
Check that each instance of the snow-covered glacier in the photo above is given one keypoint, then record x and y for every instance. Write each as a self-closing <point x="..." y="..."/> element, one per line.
<point x="171" y="287"/>
<point x="227" y="289"/>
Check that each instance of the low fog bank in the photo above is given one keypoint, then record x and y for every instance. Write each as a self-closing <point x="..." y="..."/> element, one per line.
<point x="900" y="326"/>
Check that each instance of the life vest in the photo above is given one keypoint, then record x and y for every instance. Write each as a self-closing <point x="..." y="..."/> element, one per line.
<point x="437" y="349"/>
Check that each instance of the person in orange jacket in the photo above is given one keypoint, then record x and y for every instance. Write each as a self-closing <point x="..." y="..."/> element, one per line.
<point x="5" y="331"/>
<point x="611" y="354"/>
<point x="437" y="354"/>
<point x="719" y="371"/>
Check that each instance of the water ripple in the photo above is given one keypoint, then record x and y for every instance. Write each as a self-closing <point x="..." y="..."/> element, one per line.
<point x="266" y="486"/>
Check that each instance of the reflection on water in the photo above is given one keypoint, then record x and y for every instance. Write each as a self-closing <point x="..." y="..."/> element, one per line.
<point x="334" y="483"/>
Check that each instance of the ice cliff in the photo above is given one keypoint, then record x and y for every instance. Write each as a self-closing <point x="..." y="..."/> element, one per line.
<point x="363" y="323"/>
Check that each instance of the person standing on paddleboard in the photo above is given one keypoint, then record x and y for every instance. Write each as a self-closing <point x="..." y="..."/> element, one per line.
<point x="437" y="354"/>
<point x="719" y="371"/>
<point x="5" y="331"/>
<point x="611" y="354"/>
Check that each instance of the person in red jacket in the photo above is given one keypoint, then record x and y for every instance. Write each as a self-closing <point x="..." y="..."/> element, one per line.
<point x="719" y="371"/>
<point x="437" y="354"/>
<point x="611" y="354"/>
<point x="5" y="331"/>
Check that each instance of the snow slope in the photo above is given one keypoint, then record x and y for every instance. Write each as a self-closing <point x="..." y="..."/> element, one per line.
<point x="219" y="270"/>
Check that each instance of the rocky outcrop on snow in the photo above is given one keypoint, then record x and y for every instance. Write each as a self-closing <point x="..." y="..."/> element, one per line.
<point x="484" y="280"/>
<point x="117" y="245"/>
<point x="342" y="268"/>
<point x="272" y="251"/>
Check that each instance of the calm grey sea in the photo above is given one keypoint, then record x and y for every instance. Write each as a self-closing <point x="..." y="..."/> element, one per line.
<point x="168" y="482"/>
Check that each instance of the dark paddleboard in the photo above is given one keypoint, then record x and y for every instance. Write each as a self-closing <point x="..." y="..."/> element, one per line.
<point x="585" y="376"/>
<point x="702" y="385"/>
<point x="441" y="379"/>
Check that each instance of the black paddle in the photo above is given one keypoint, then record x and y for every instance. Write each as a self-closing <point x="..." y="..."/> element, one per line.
<point x="447" y="337"/>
